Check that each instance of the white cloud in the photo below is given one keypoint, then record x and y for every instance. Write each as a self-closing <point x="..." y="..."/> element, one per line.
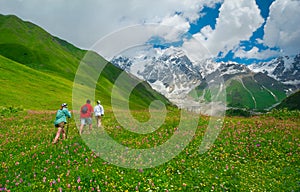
<point x="237" y="21"/>
<point x="180" y="26"/>
<point x="255" y="53"/>
<point x="84" y="22"/>
<point x="282" y="28"/>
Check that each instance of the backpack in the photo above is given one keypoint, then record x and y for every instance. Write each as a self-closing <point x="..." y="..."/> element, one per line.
<point x="84" y="109"/>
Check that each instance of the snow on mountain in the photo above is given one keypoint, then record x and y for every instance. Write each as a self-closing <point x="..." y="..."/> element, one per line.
<point x="170" y="72"/>
<point x="284" y="69"/>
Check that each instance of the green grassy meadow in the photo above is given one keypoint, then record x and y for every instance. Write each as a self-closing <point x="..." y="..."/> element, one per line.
<point x="260" y="153"/>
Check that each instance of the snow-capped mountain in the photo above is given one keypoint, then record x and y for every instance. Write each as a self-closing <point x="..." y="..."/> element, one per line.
<point x="173" y="74"/>
<point x="170" y="72"/>
<point x="284" y="69"/>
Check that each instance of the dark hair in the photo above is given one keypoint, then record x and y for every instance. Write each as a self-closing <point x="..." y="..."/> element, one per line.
<point x="88" y="101"/>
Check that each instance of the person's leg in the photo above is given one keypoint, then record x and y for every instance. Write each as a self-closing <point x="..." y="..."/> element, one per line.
<point x="96" y="118"/>
<point x="63" y="133"/>
<point x="82" y="122"/>
<point x="99" y="121"/>
<point x="90" y="123"/>
<point x="57" y="135"/>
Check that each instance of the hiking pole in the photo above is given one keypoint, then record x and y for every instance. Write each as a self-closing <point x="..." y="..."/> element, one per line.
<point x="67" y="131"/>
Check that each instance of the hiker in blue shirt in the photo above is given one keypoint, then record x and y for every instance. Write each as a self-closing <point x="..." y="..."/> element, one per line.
<point x="61" y="120"/>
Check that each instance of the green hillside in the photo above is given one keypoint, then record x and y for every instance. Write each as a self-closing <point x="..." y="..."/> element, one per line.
<point x="238" y="97"/>
<point x="251" y="91"/>
<point x="30" y="45"/>
<point x="22" y="85"/>
<point x="38" y="70"/>
<point x="292" y="102"/>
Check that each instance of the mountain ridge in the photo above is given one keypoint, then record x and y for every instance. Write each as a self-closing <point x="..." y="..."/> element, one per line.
<point x="181" y="76"/>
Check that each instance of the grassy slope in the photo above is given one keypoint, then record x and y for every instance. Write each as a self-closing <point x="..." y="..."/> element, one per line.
<point x="41" y="60"/>
<point x="237" y="96"/>
<point x="265" y="91"/>
<point x="21" y="85"/>
<point x="30" y="45"/>
<point x="262" y="97"/>
<point x="292" y="102"/>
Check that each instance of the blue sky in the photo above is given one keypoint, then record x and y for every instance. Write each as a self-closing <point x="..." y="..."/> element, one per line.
<point x="244" y="31"/>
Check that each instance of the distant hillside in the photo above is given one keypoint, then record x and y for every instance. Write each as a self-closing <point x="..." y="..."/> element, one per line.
<point x="185" y="81"/>
<point x="38" y="69"/>
<point x="256" y="91"/>
<point x="292" y="102"/>
<point x="245" y="89"/>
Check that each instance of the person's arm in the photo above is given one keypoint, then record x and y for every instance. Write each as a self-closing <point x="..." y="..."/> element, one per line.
<point x="102" y="110"/>
<point x="67" y="113"/>
<point x="92" y="110"/>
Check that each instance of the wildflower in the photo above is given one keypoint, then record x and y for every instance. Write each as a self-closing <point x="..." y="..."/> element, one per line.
<point x="78" y="180"/>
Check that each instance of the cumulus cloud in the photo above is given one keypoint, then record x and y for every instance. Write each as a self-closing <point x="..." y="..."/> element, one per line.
<point x="237" y="21"/>
<point x="255" y="53"/>
<point x="179" y="26"/>
<point x="282" y="29"/>
<point x="84" y="22"/>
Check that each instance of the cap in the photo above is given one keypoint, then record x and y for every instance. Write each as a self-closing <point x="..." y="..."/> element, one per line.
<point x="98" y="102"/>
<point x="64" y="105"/>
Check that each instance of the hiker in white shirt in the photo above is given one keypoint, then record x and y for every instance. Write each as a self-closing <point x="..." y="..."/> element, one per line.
<point x="99" y="112"/>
